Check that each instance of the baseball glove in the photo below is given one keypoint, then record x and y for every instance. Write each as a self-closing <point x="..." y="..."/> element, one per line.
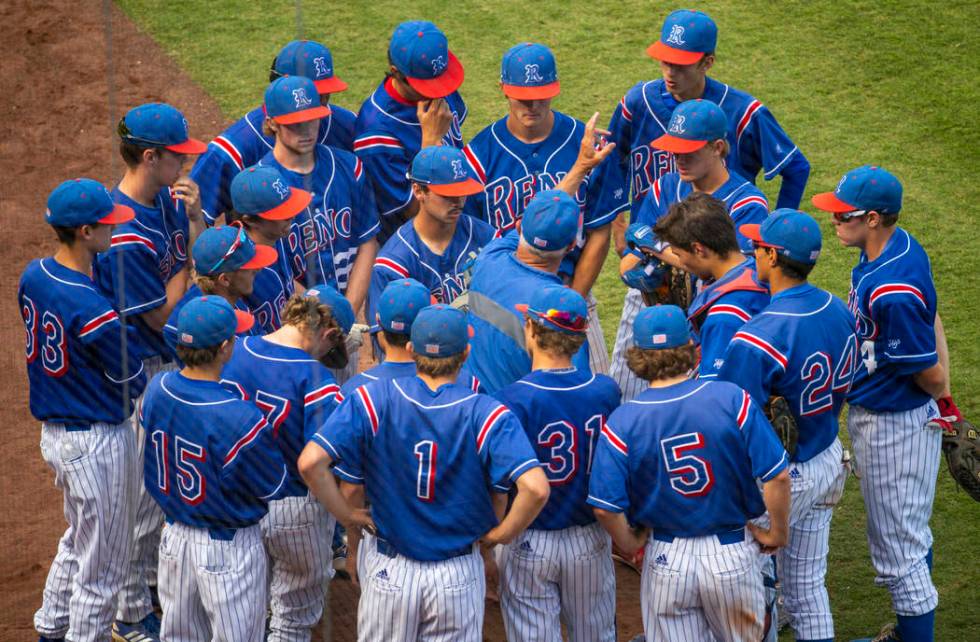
<point x="961" y="445"/>
<point x="778" y="412"/>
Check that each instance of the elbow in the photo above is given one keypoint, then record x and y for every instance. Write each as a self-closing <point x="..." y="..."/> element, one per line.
<point x="311" y="463"/>
<point x="932" y="380"/>
<point x="537" y="487"/>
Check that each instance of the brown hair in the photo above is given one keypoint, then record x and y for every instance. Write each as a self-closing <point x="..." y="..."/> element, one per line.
<point x="395" y="339"/>
<point x="555" y="341"/>
<point x="267" y="128"/>
<point x="206" y="283"/>
<point x="195" y="357"/>
<point x="699" y="218"/>
<point x="888" y="220"/>
<point x="439" y="367"/>
<point x="66" y="235"/>
<point x="307" y="312"/>
<point x="131" y="154"/>
<point x="653" y="365"/>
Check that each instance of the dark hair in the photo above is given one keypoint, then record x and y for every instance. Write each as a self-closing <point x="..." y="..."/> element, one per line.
<point x="66" y="235"/>
<point x="439" y="367"/>
<point x="888" y="220"/>
<point x="396" y="339"/>
<point x="195" y="357"/>
<point x="699" y="218"/>
<point x="654" y="365"/>
<point x="556" y="342"/>
<point x="273" y="74"/>
<point x="793" y="269"/>
<point x="131" y="154"/>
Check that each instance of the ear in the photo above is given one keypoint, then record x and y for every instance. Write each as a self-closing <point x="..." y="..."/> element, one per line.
<point x="150" y="155"/>
<point x="873" y="219"/>
<point x="85" y="231"/>
<point x="706" y="62"/>
<point x="410" y="348"/>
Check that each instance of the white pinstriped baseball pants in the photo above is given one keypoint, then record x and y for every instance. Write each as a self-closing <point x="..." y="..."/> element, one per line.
<point x="629" y="383"/>
<point x="598" y="354"/>
<point x="96" y="471"/>
<point x="897" y="458"/>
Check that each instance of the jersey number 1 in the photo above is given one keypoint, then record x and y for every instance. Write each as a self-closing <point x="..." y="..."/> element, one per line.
<point x="561" y="438"/>
<point x="425" y="452"/>
<point x="191" y="484"/>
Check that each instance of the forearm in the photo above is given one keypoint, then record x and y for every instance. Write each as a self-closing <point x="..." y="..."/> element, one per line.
<point x="794" y="177"/>
<point x="776" y="496"/>
<point x="499" y="501"/>
<point x="942" y="349"/>
<point x="175" y="289"/>
<point x="360" y="274"/>
<point x="354" y="495"/>
<point x="573" y="179"/>
<point x="933" y="381"/>
<point x="590" y="262"/>
<point x="314" y="466"/>
<point x="619" y="227"/>
<point x="195" y="227"/>
<point x="532" y="495"/>
<point x="619" y="529"/>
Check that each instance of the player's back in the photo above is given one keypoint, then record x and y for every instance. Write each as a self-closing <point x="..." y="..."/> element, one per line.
<point x="397" y="370"/>
<point x="562" y="412"/>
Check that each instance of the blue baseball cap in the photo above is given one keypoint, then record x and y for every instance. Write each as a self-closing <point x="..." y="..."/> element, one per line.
<point x="400" y="303"/>
<point x="206" y="321"/>
<point x="551" y="221"/>
<point x="420" y="50"/>
<point x="261" y="191"/>
<point x="868" y="188"/>
<point x="659" y="327"/>
<point x="82" y="201"/>
<point x="293" y="99"/>
<point x="792" y="233"/>
<point x="158" y="125"/>
<point x="528" y="72"/>
<point x="440" y="331"/>
<point x="312" y="60"/>
<point x="445" y="170"/>
<point x="693" y="124"/>
<point x="559" y="308"/>
<point x="685" y="37"/>
<point x="219" y="250"/>
<point x="339" y="306"/>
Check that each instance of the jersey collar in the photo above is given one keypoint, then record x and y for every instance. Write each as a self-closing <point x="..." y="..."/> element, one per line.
<point x="796" y="290"/>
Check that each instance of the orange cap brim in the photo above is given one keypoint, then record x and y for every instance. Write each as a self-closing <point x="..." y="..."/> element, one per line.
<point x="306" y="115"/>
<point x="442" y="85"/>
<point x="677" y="145"/>
<point x="296" y="203"/>
<point x="751" y="231"/>
<point x="660" y="51"/>
<point x="462" y="188"/>
<point x="265" y="255"/>
<point x="332" y="85"/>
<point x="189" y="146"/>
<point x="119" y="214"/>
<point x="828" y="202"/>
<point x="245" y="321"/>
<point x="521" y="307"/>
<point x="538" y="92"/>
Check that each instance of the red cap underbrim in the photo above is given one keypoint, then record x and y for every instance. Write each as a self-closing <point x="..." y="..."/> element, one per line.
<point x="265" y="255"/>
<point x="677" y="145"/>
<point x="296" y="203"/>
<point x="443" y="84"/>
<point x="245" y="321"/>
<point x="119" y="214"/>
<point x="537" y="92"/>
<point x="462" y="188"/>
<point x="306" y="115"/>
<point x="828" y="202"/>
<point x="660" y="51"/>
<point x="332" y="85"/>
<point x="521" y="307"/>
<point x="751" y="231"/>
<point x="189" y="146"/>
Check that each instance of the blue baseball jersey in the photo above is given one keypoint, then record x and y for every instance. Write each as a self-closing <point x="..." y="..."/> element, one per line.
<point x="294" y="392"/>
<point x="170" y="327"/>
<point x="744" y="201"/>
<point x="211" y="461"/>
<point x="802" y="347"/>
<point x="243" y="144"/>
<point x="396" y="370"/>
<point x="145" y="254"/>
<point x="76" y="367"/>
<point x="500" y="281"/>
<point x="562" y="412"/>
<point x="757" y="141"/>
<point x="405" y="255"/>
<point x="341" y="217"/>
<point x="273" y="286"/>
<point x="514" y="171"/>
<point x="720" y="309"/>
<point x="429" y="460"/>
<point x="893" y="300"/>
<point x="684" y="460"/>
<point x="387" y="136"/>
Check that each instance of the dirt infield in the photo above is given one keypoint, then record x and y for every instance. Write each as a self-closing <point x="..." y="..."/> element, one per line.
<point x="55" y="99"/>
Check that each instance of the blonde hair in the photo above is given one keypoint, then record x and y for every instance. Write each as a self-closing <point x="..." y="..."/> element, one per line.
<point x="653" y="365"/>
<point x="307" y="312"/>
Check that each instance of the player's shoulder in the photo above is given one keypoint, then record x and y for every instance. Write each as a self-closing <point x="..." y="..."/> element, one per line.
<point x="343" y="116"/>
<point x="635" y="97"/>
<point x="606" y="385"/>
<point x="485" y="140"/>
<point x="345" y="161"/>
<point x="476" y="229"/>
<point x="903" y="267"/>
<point x="732" y="100"/>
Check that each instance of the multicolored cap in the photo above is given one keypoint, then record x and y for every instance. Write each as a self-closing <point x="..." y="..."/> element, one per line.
<point x="693" y="125"/>
<point x="158" y="125"/>
<point x="685" y="37"/>
<point x="559" y="308"/>
<point x="400" y="303"/>
<point x="868" y="188"/>
<point x="420" y="50"/>
<point x="660" y="327"/>
<point x="339" y="306"/>
<point x="82" y="201"/>
<point x="528" y="72"/>
<point x="262" y="191"/>
<point x="792" y="233"/>
<point x="445" y="170"/>
<point x="551" y="221"/>
<point x="439" y="331"/>
<point x="219" y="250"/>
<point x="312" y="60"/>
<point x="207" y="321"/>
<point x="293" y="99"/>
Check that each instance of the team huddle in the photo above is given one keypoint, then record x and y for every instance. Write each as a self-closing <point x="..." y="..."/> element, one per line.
<point x="193" y="351"/>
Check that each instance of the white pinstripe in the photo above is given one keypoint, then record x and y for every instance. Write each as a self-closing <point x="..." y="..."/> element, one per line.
<point x="341" y="375"/>
<point x="96" y="471"/>
<point x="598" y="354"/>
<point x="552" y="577"/>
<point x="629" y="383"/>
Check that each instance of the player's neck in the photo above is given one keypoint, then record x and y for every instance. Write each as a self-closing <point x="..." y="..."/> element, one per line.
<point x="434" y="383"/>
<point x="778" y="282"/>
<point x="666" y="383"/>
<point x="259" y="238"/>
<point x="75" y="257"/>
<point x="693" y="93"/>
<point x="208" y="372"/>
<point x="726" y="265"/>
<point x="434" y="233"/>
<point x="396" y="354"/>
<point x="139" y="186"/>
<point x="877" y="240"/>
<point x="294" y="162"/>
<point x="531" y="259"/>
<point x="289" y="336"/>
<point x="541" y="360"/>
<point x="533" y="134"/>
<point x="221" y="291"/>
<point x="712" y="181"/>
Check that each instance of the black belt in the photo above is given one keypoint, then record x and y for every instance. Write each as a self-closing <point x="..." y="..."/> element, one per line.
<point x="386" y="549"/>
<point x="728" y="537"/>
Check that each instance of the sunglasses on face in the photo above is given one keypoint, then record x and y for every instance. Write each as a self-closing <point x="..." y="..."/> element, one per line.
<point x="843" y="217"/>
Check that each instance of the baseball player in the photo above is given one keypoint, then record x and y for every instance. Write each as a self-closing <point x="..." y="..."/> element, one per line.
<point x="682" y="459"/>
<point x="144" y="274"/>
<point x="281" y="374"/>
<point x="416" y="106"/>
<point x="561" y="568"/>
<point x="696" y="136"/>
<point x="267" y="206"/>
<point x="245" y="142"/>
<point x="428" y="449"/>
<point x="438" y="246"/>
<point x="801" y="347"/>
<point x="82" y="384"/>
<point x="530" y="150"/>
<point x="896" y="380"/>
<point x="212" y="465"/>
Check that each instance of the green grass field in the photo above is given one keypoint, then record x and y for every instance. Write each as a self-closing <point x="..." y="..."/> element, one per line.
<point x="890" y="82"/>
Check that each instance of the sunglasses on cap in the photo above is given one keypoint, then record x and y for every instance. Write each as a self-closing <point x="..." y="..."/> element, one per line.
<point x="562" y="319"/>
<point x="843" y="217"/>
<point x="237" y="243"/>
<point x="127" y="136"/>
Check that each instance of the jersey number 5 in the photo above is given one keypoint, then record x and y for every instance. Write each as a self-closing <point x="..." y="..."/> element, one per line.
<point x="191" y="484"/>
<point x="690" y="476"/>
